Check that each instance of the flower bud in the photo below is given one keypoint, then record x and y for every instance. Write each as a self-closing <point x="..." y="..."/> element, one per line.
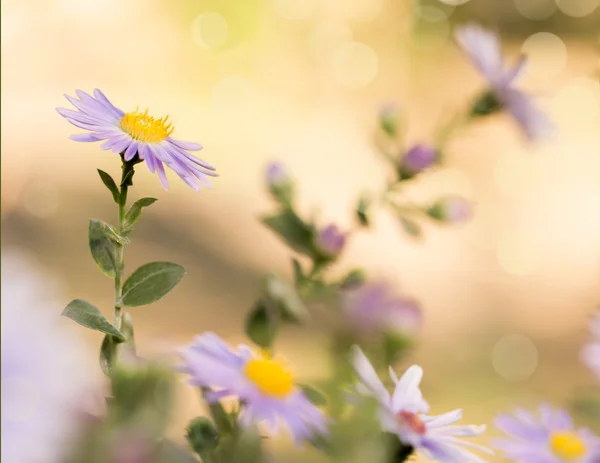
<point x="451" y="209"/>
<point x="416" y="160"/>
<point x="389" y="119"/>
<point x="279" y="184"/>
<point x="202" y="435"/>
<point x="330" y="241"/>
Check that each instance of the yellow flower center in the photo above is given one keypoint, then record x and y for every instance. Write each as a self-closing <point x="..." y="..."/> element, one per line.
<point x="567" y="446"/>
<point x="142" y="127"/>
<point x="270" y="376"/>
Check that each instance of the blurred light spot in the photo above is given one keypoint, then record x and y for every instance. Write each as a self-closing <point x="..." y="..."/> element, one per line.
<point x="513" y="173"/>
<point x="41" y="199"/>
<point x="431" y="29"/>
<point x="577" y="8"/>
<point x="515" y="357"/>
<point x="210" y="30"/>
<point x="546" y="53"/>
<point x="578" y="104"/>
<point x="516" y="255"/>
<point x="294" y="9"/>
<point x="355" y="65"/>
<point x="536" y="10"/>
<point x="232" y="92"/>
<point x="362" y="10"/>
<point x="483" y="228"/>
<point x="20" y="399"/>
<point x="326" y="38"/>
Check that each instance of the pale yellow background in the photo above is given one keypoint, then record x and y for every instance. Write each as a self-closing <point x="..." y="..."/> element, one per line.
<point x="301" y="82"/>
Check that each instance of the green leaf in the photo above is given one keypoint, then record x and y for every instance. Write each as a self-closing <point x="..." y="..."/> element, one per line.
<point x="135" y="211"/>
<point x="261" y="326"/>
<point x="151" y="282"/>
<point x="202" y="435"/>
<point x="110" y="184"/>
<point x="89" y="316"/>
<point x="297" y="234"/>
<point x="127" y="329"/>
<point x="354" y="278"/>
<point x="362" y="211"/>
<point x="315" y="396"/>
<point x="298" y="276"/>
<point x="283" y="299"/>
<point x="411" y="227"/>
<point x="103" y="248"/>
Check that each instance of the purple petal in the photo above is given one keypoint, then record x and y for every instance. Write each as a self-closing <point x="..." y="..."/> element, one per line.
<point x="483" y="47"/>
<point x="189" y="156"/>
<point x="92" y="108"/>
<point x="131" y="151"/>
<point x="185" y="145"/>
<point x="162" y="175"/>
<point x="100" y="97"/>
<point x="84" y="137"/>
<point x="80" y="117"/>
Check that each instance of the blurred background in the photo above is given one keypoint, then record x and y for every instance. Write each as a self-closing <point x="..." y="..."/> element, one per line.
<point x="506" y="297"/>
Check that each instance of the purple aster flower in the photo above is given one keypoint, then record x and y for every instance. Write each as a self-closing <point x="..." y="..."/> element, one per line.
<point x="483" y="47"/>
<point x="46" y="383"/>
<point x="371" y="309"/>
<point x="590" y="354"/>
<point x="137" y="134"/>
<point x="551" y="438"/>
<point x="452" y="209"/>
<point x="330" y="241"/>
<point x="417" y="159"/>
<point x="404" y="413"/>
<point x="262" y="384"/>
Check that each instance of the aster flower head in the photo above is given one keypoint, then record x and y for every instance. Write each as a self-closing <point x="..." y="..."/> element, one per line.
<point x="137" y="135"/>
<point x="330" y="241"/>
<point x="549" y="438"/>
<point x="46" y="382"/>
<point x="263" y="384"/>
<point x="371" y="309"/>
<point x="483" y="48"/>
<point x="405" y="413"/>
<point x="279" y="183"/>
<point x="590" y="354"/>
<point x="417" y="159"/>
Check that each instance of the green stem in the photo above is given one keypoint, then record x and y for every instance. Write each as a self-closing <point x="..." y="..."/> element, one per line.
<point x="126" y="176"/>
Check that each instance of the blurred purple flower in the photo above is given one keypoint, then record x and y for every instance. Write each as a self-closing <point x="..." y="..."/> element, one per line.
<point x="483" y="47"/>
<point x="330" y="241"/>
<point x="263" y="385"/>
<point x="46" y="380"/>
<point x="417" y="159"/>
<point x="550" y="439"/>
<point x="276" y="174"/>
<point x="136" y="133"/>
<point x="590" y="354"/>
<point x="404" y="413"/>
<point x="371" y="309"/>
<point x="452" y="209"/>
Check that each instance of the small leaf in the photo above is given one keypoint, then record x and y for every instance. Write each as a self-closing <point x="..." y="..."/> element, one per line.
<point x="283" y="299"/>
<point x="315" y="396"/>
<point x="297" y="234"/>
<point x="298" y="276"/>
<point x="110" y="184"/>
<point x="411" y="227"/>
<point x="127" y="329"/>
<point x="151" y="282"/>
<point x="354" y="278"/>
<point x="135" y="211"/>
<point x="362" y="211"/>
<point x="111" y="233"/>
<point x="89" y="316"/>
<point x="260" y="326"/>
<point x="103" y="248"/>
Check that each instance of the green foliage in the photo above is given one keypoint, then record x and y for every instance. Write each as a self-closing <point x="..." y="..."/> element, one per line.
<point x="294" y="231"/>
<point x="135" y="211"/>
<point x="261" y="325"/>
<point x="362" y="211"/>
<point x="150" y="282"/>
<point x="89" y="316"/>
<point x="103" y="246"/>
<point x="108" y="352"/>
<point x="410" y="226"/>
<point x="110" y="184"/>
<point x="314" y="395"/>
<point x="202" y="435"/>
<point x="283" y="300"/>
